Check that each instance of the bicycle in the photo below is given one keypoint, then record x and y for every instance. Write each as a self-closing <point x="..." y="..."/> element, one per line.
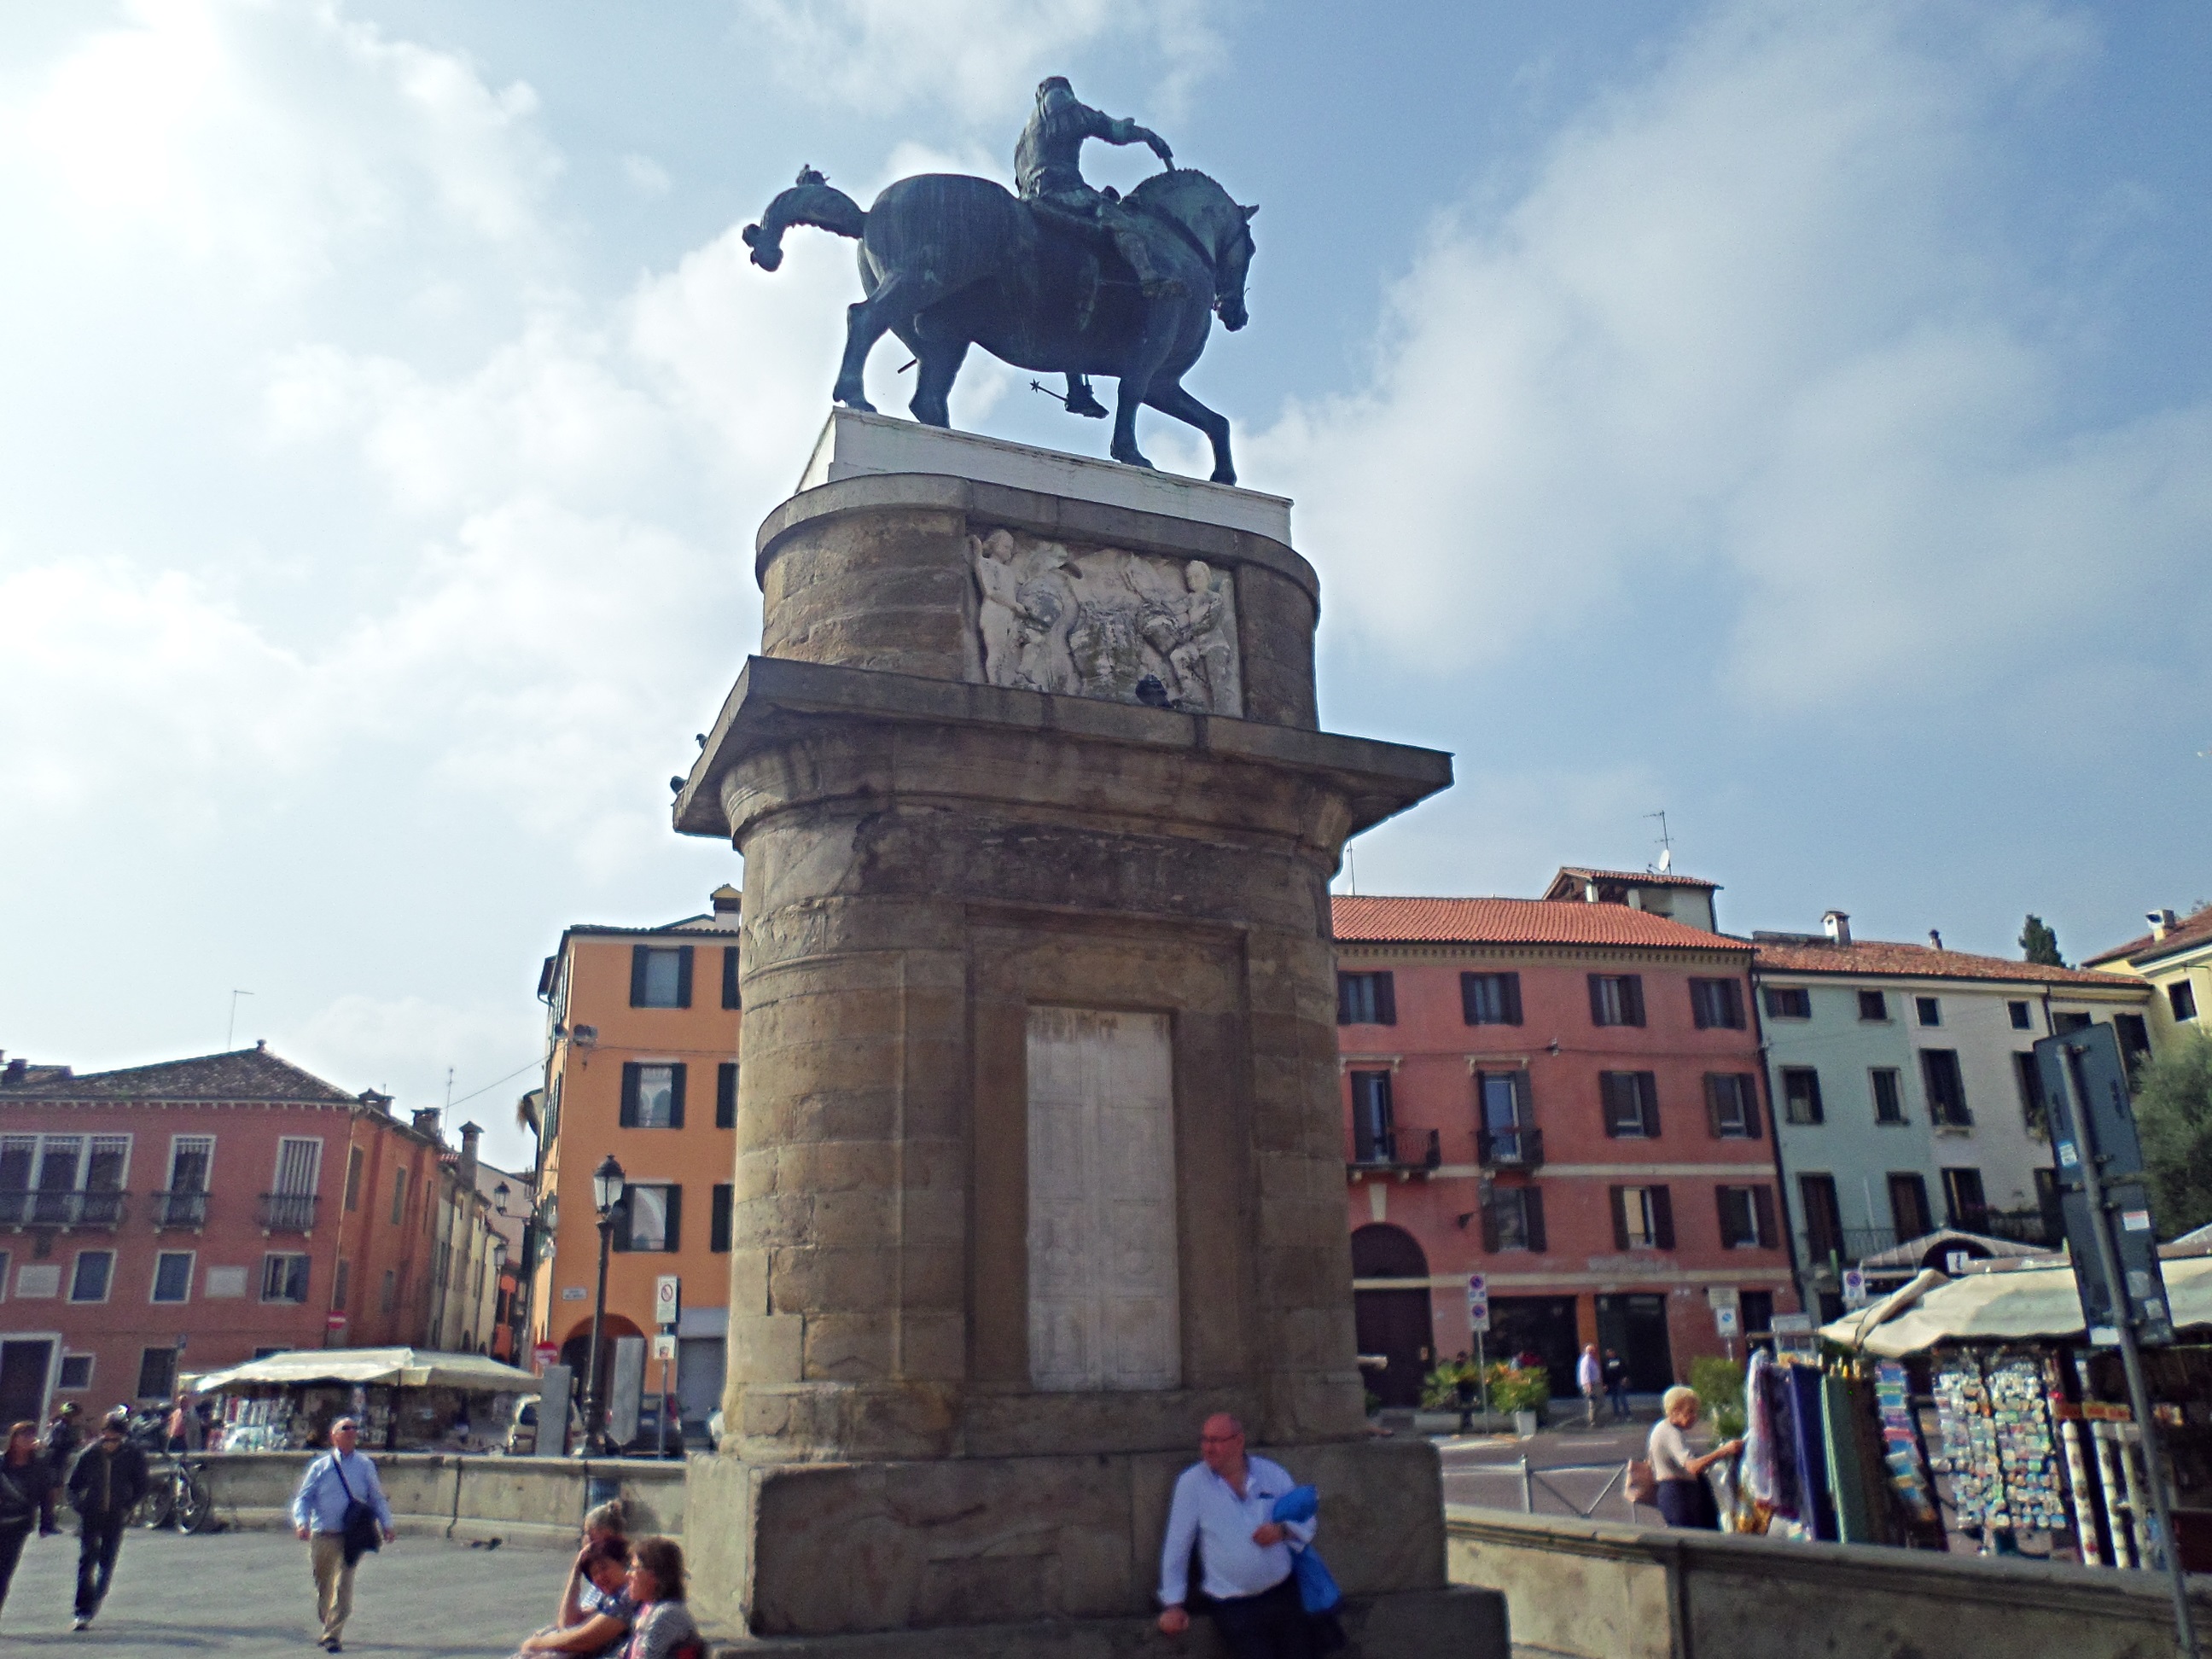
<point x="178" y="1495"/>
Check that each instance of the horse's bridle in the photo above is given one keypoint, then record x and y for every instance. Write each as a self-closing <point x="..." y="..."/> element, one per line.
<point x="1190" y="239"/>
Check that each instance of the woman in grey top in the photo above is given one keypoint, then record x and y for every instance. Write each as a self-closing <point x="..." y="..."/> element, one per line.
<point x="1685" y="1500"/>
<point x="656" y="1584"/>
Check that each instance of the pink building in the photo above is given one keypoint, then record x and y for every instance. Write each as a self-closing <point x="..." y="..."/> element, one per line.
<point x="1564" y="1095"/>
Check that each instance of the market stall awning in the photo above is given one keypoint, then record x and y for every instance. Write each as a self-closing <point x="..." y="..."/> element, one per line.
<point x="2018" y="1304"/>
<point x="1916" y="1253"/>
<point x="407" y="1368"/>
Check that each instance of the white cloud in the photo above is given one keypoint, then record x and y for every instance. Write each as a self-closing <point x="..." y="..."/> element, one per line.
<point x="1747" y="328"/>
<point x="646" y="176"/>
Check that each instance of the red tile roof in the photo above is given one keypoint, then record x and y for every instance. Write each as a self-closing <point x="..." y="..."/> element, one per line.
<point x="1634" y="878"/>
<point x="240" y="1074"/>
<point x="1872" y="956"/>
<point x="1364" y="920"/>
<point x="2185" y="935"/>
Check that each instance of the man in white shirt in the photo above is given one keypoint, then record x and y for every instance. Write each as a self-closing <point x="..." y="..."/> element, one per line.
<point x="1225" y="1503"/>
<point x="1590" y="1377"/>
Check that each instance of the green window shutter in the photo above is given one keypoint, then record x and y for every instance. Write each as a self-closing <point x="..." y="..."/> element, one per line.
<point x="638" y="961"/>
<point x="730" y="995"/>
<point x="725" y="1095"/>
<point x="718" y="1220"/>
<point x="628" y="1117"/>
<point x="676" y="1094"/>
<point x="675" y="1239"/>
<point x="683" y="977"/>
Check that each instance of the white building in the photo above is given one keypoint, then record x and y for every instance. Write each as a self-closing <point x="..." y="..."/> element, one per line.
<point x="1905" y="1097"/>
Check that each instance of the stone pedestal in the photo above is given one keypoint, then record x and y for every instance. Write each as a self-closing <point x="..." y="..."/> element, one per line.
<point x="1039" y="1148"/>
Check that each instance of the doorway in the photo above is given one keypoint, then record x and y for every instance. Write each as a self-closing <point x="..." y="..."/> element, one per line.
<point x="1635" y="1327"/>
<point x="1392" y="1323"/>
<point x="25" y="1365"/>
<point x="1543" y="1324"/>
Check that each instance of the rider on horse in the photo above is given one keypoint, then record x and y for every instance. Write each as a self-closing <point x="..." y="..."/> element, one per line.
<point x="1048" y="171"/>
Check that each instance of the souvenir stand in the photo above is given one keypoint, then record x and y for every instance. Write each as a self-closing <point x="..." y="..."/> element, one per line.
<point x="407" y="1399"/>
<point x="2033" y="1440"/>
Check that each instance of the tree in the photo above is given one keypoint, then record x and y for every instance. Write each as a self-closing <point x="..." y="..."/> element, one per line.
<point x="2173" y="1116"/>
<point x="2039" y="944"/>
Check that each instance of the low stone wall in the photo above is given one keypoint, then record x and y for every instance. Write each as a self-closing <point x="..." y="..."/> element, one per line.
<point x="521" y="1500"/>
<point x="1601" y="1591"/>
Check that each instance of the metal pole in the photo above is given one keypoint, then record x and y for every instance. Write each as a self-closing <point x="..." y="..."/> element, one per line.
<point x="594" y="1439"/>
<point x="2108" y="1259"/>
<point x="1529" y="1493"/>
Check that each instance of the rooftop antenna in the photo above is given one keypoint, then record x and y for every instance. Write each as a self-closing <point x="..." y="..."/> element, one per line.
<point x="230" y="1031"/>
<point x="1666" y="843"/>
<point x="1352" y="870"/>
<point x="449" y="1088"/>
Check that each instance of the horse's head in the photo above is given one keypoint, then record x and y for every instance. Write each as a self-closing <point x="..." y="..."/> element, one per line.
<point x="1215" y="221"/>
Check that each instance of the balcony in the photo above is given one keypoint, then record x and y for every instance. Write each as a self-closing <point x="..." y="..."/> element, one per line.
<point x="289" y="1212"/>
<point x="1380" y="1157"/>
<point x="1509" y="1149"/>
<point x="99" y="1212"/>
<point x="178" y="1210"/>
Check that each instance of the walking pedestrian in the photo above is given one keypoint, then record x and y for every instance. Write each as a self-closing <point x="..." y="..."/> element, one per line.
<point x="27" y="1498"/>
<point x="327" y="1513"/>
<point x="1225" y="1502"/>
<point x="63" y="1438"/>
<point x="1616" y="1385"/>
<point x="1590" y="1377"/>
<point x="1685" y="1500"/>
<point x="105" y="1485"/>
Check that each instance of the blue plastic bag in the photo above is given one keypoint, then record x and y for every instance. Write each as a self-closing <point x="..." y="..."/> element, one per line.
<point x="1317" y="1590"/>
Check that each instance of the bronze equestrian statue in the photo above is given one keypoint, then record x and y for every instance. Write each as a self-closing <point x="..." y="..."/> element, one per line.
<point x="1067" y="280"/>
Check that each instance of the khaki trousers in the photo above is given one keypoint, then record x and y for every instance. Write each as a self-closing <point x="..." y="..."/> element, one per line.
<point x="333" y="1581"/>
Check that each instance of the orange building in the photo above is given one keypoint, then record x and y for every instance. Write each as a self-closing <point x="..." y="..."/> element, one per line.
<point x="643" y="1063"/>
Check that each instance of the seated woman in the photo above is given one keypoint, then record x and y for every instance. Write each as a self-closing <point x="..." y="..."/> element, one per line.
<point x="664" y="1630"/>
<point x="595" y="1611"/>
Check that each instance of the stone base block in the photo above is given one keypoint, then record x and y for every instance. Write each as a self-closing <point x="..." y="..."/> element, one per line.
<point x="817" y="1549"/>
<point x="1437" y="1624"/>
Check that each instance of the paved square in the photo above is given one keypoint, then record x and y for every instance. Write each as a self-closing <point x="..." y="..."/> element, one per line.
<point x="248" y="1594"/>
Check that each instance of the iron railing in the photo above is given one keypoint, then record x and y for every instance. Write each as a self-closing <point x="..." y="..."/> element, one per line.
<point x="178" y="1209"/>
<point x="1382" y="1153"/>
<point x="49" y="1207"/>
<point x="288" y="1212"/>
<point x="1509" y="1149"/>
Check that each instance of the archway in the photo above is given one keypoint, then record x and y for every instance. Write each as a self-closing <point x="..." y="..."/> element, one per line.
<point x="576" y="1350"/>
<point x="1394" y="1324"/>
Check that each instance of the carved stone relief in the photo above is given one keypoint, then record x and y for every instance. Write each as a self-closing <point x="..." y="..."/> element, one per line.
<point x="1105" y="622"/>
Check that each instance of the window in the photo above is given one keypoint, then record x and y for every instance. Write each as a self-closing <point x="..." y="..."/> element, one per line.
<point x="2134" y="1035"/>
<point x="1908" y="1206"/>
<point x="391" y="1291"/>
<point x="552" y="1115"/>
<point x="1513" y="1219"/>
<point x="299" y="1167"/>
<point x="1490" y="998"/>
<point x="1716" y="1003"/>
<point x="1616" y="999"/>
<point x="1801" y="1095"/>
<point x="172" y="1276"/>
<point x="731" y="998"/>
<point x="1504" y="1133"/>
<point x="353" y="1180"/>
<point x="1873" y="1006"/>
<point x="399" y="1196"/>
<point x="651" y="1218"/>
<point x="77" y="1373"/>
<point x="718" y="1219"/>
<point x="283" y="1278"/>
<point x="1824" y="1217"/>
<point x="725" y="1095"/>
<point x="660" y="976"/>
<point x="1366" y="999"/>
<point x="89" y="1282"/>
<point x="1928" y="1010"/>
<point x="1373" y="1138"/>
<point x="157" y="1374"/>
<point x="1732" y="1105"/>
<point x="2074" y="1022"/>
<point x="1758" y="1309"/>
<point x="1888" y="1095"/>
<point x="1643" y="1219"/>
<point x="2022" y="1020"/>
<point x="1962" y="1195"/>
<point x="110" y="1161"/>
<point x="2034" y="1108"/>
<point x="58" y="1158"/>
<point x="1747" y="1216"/>
<point x="2181" y="997"/>
<point x="1788" y="1002"/>
<point x="1631" y="1104"/>
<point x="1947" y="1089"/>
<point x="651" y="1096"/>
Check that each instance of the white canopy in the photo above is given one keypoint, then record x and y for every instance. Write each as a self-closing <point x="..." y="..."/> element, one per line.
<point x="2016" y="1304"/>
<point x="409" y="1368"/>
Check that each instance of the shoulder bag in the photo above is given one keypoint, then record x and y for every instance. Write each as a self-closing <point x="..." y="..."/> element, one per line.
<point x="362" y="1534"/>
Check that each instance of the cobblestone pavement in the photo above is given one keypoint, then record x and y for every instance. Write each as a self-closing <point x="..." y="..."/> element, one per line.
<point x="247" y="1595"/>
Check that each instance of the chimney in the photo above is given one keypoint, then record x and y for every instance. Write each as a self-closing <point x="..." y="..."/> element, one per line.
<point x="1589" y="892"/>
<point x="726" y="900"/>
<point x="375" y="1101"/>
<point x="1935" y="939"/>
<point x="1636" y="898"/>
<point x="261" y="1045"/>
<point x="2160" y="920"/>
<point x="426" y="1122"/>
<point x="1838" y="925"/>
<point x="16" y="1067"/>
<point x="471" y="1134"/>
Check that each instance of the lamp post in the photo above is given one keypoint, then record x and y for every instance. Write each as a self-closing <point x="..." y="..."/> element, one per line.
<point x="518" y="1312"/>
<point x="498" y="1272"/>
<point x="607" y="1194"/>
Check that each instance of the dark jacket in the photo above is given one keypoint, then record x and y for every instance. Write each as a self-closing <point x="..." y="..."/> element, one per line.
<point x="27" y="1493"/>
<point x="103" y="1486"/>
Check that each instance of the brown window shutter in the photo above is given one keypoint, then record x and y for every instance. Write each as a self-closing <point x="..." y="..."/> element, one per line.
<point x="1721" y="1209"/>
<point x="1747" y="1086"/>
<point x="1631" y="999"/>
<point x="725" y="1095"/>
<point x="1386" y="998"/>
<point x="675" y="1094"/>
<point x="1662" y="1217"/>
<point x="1762" y="1210"/>
<point x="1597" y="999"/>
<point x="1608" y="1103"/>
<point x="1467" y="993"/>
<point x="1490" y="1223"/>
<point x="718" y="1219"/>
<point x="1714" y="1084"/>
<point x="1647" y="1094"/>
<point x="1620" y="1197"/>
<point x="683" y="977"/>
<point x="1343" y="998"/>
<point x="627" y="1118"/>
<point x="1512" y="984"/>
<point x="675" y="1239"/>
<point x="1532" y="1202"/>
<point x="637" y="959"/>
<point x="731" y="998"/>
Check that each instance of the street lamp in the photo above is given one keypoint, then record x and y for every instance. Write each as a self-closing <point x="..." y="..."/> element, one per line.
<point x="606" y="1196"/>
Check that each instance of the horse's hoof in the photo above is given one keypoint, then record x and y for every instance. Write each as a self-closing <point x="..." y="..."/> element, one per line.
<point x="853" y="401"/>
<point x="1225" y="475"/>
<point x="1133" y="458"/>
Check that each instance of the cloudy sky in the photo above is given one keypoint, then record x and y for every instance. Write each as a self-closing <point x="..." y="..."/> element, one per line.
<point x="1796" y="418"/>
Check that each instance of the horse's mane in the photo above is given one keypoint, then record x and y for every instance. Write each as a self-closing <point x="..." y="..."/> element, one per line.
<point x="1157" y="186"/>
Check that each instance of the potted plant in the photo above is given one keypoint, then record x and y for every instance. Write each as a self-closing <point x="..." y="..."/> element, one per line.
<point x="1524" y="1392"/>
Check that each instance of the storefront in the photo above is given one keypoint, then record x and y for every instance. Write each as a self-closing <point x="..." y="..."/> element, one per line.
<point x="407" y="1400"/>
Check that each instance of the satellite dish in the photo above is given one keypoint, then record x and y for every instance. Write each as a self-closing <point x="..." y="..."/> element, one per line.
<point x="1666" y="859"/>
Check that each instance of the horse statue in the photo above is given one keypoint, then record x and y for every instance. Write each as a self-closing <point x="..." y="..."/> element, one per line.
<point x="948" y="261"/>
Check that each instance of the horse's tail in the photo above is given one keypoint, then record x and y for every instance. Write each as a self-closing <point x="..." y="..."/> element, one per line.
<point x="805" y="204"/>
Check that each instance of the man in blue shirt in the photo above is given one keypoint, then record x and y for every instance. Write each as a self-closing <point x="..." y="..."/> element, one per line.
<point x="339" y="1479"/>
<point x="1225" y="1504"/>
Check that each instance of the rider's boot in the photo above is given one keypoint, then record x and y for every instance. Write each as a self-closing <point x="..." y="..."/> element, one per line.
<point x="1081" y="400"/>
<point x="1153" y="283"/>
